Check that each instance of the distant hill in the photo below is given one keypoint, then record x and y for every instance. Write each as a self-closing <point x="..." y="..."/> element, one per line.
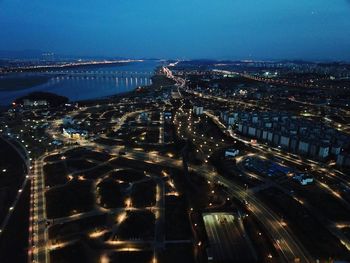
<point x="32" y="54"/>
<point x="53" y="99"/>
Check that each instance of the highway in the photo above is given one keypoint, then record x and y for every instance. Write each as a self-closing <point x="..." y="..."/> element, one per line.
<point x="161" y="127"/>
<point x="287" y="245"/>
<point x="227" y="238"/>
<point x="38" y="215"/>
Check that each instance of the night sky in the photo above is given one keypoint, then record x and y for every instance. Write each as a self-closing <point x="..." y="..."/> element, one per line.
<point x="223" y="29"/>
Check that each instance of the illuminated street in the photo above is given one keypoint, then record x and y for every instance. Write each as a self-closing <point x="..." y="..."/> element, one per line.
<point x="167" y="132"/>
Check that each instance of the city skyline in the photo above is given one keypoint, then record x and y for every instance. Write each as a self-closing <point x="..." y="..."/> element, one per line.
<point x="174" y="131"/>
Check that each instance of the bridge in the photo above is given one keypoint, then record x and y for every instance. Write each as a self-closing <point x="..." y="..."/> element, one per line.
<point x="118" y="79"/>
<point x="127" y="77"/>
<point x="96" y="73"/>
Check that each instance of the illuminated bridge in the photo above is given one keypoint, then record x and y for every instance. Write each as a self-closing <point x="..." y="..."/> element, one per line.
<point x="97" y="73"/>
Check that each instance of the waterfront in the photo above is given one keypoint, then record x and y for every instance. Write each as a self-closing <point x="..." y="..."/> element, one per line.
<point x="82" y="83"/>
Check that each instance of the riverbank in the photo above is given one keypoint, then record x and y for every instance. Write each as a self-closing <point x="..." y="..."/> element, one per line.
<point x="158" y="81"/>
<point x="70" y="65"/>
<point x="82" y="84"/>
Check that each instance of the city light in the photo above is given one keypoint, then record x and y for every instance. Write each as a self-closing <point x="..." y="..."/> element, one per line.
<point x="133" y="152"/>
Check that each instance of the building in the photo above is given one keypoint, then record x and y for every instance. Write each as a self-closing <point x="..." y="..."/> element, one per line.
<point x="335" y="150"/>
<point x="68" y="120"/>
<point x="232" y="119"/>
<point x="291" y="133"/>
<point x="264" y="135"/>
<point x="252" y="131"/>
<point x="304" y="179"/>
<point x="258" y="133"/>
<point x="314" y="148"/>
<point x="57" y="143"/>
<point x="240" y="128"/>
<point x="198" y="110"/>
<point x="294" y="144"/>
<point x="303" y="147"/>
<point x="284" y="141"/>
<point x="74" y="133"/>
<point x="224" y="116"/>
<point x="144" y="116"/>
<point x="276" y="139"/>
<point x="343" y="159"/>
<point x="270" y="136"/>
<point x="245" y="129"/>
<point x="34" y="103"/>
<point x="323" y="151"/>
<point x="229" y="153"/>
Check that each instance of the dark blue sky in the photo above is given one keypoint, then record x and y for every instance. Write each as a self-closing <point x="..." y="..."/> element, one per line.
<point x="232" y="29"/>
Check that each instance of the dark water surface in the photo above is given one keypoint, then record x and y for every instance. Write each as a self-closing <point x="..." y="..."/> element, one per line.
<point x="78" y="83"/>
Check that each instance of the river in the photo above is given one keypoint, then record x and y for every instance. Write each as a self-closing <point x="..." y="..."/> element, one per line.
<point x="79" y="83"/>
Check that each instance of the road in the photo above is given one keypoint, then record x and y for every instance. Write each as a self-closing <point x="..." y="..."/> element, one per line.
<point x="288" y="245"/>
<point x="161" y="127"/>
<point x="316" y="213"/>
<point x="227" y="238"/>
<point x="38" y="214"/>
<point x="39" y="234"/>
